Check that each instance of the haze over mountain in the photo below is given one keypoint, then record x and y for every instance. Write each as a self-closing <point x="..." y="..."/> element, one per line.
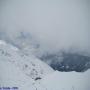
<point x="44" y="45"/>
<point x="54" y="25"/>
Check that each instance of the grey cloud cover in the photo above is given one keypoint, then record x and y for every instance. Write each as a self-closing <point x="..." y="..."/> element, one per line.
<point x="56" y="24"/>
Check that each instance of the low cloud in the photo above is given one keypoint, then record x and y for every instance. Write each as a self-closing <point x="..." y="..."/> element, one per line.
<point x="57" y="24"/>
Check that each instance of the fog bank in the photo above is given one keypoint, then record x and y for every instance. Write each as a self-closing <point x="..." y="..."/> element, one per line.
<point x="56" y="24"/>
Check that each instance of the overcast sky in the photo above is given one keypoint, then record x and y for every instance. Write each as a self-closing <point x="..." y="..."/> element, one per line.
<point x="56" y="24"/>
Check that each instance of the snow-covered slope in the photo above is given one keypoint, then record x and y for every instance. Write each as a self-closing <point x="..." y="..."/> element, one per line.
<point x="67" y="81"/>
<point x="11" y="76"/>
<point x="26" y="72"/>
<point x="30" y="65"/>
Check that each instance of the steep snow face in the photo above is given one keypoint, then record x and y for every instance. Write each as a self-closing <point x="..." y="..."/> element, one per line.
<point x="12" y="76"/>
<point x="29" y="65"/>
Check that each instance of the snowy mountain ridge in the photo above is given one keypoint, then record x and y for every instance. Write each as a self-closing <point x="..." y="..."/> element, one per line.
<point x="29" y="73"/>
<point x="30" y="65"/>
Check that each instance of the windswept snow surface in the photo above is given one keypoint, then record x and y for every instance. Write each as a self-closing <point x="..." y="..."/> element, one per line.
<point x="29" y="73"/>
<point x="67" y="81"/>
